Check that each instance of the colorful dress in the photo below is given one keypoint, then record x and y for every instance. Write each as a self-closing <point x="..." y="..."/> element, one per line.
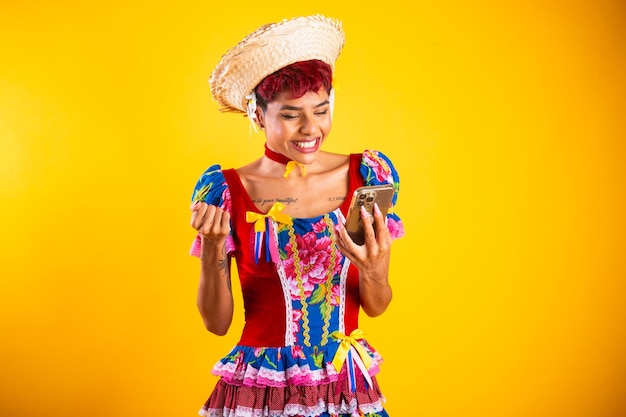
<point x="301" y="352"/>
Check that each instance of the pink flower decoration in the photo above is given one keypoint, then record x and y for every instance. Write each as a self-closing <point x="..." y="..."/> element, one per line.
<point x="379" y="166"/>
<point x="296" y="316"/>
<point x="320" y="226"/>
<point x="314" y="255"/>
<point x="239" y="360"/>
<point x="336" y="295"/>
<point x="396" y="228"/>
<point x="228" y="203"/>
<point x="296" y="352"/>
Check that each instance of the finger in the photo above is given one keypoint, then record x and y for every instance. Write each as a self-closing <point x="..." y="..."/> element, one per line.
<point x="368" y="228"/>
<point x="342" y="236"/>
<point x="357" y="254"/>
<point x="341" y="222"/>
<point x="380" y="222"/>
<point x="208" y="220"/>
<point x="218" y="225"/>
<point x="199" y="211"/>
<point x="225" y="223"/>
<point x="343" y="244"/>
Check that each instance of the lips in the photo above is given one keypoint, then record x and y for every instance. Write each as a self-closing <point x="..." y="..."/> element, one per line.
<point x="306" y="146"/>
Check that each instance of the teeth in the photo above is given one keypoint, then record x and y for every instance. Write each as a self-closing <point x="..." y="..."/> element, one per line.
<point x="305" y="145"/>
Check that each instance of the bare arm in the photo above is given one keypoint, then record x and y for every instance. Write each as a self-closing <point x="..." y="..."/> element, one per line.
<point x="215" y="298"/>
<point x="372" y="259"/>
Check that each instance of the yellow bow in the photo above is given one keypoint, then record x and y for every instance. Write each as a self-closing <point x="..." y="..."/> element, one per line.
<point x="344" y="348"/>
<point x="275" y="214"/>
<point x="291" y="165"/>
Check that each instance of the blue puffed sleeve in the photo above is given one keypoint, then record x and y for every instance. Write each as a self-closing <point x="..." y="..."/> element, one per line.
<point x="376" y="169"/>
<point x="211" y="188"/>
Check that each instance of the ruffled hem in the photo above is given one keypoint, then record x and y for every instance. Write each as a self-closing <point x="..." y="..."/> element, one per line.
<point x="283" y="366"/>
<point x="332" y="399"/>
<point x="196" y="246"/>
<point x="395" y="225"/>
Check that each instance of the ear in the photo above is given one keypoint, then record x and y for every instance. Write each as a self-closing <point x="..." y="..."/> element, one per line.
<point x="260" y="118"/>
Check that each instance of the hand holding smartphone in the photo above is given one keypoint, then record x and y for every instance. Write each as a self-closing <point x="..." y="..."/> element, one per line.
<point x="366" y="197"/>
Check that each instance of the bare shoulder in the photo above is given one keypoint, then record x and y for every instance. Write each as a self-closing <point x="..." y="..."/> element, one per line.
<point x="250" y="169"/>
<point x="330" y="162"/>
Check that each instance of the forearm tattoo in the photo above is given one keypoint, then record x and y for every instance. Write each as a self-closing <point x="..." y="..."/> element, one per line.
<point x="224" y="267"/>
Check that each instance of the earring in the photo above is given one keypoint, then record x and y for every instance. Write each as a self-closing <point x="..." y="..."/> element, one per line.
<point x="251" y="111"/>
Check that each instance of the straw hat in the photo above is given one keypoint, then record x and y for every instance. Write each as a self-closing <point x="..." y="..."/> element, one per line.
<point x="270" y="48"/>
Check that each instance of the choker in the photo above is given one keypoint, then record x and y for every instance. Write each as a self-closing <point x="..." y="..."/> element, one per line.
<point x="282" y="159"/>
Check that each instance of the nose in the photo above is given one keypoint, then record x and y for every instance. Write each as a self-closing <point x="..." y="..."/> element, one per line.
<point x="308" y="125"/>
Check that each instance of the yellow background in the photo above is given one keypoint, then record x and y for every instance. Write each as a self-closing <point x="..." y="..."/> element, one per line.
<point x="505" y="120"/>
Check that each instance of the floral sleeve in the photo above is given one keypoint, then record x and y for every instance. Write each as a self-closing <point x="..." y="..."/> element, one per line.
<point x="376" y="168"/>
<point x="212" y="188"/>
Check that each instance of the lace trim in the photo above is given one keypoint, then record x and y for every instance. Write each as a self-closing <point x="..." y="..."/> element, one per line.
<point x="289" y="337"/>
<point x="342" y="291"/>
<point x="328" y="285"/>
<point x="298" y="410"/>
<point x="343" y="279"/>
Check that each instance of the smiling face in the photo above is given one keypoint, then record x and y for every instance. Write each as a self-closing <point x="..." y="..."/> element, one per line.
<point x="296" y="127"/>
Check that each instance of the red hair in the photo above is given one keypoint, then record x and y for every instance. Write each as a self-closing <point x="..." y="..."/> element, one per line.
<point x="297" y="78"/>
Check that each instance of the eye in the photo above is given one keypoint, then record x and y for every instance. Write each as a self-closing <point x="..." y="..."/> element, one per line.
<point x="288" y="116"/>
<point x="321" y="113"/>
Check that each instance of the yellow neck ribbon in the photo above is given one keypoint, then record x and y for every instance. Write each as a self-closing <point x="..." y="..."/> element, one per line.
<point x="291" y="165"/>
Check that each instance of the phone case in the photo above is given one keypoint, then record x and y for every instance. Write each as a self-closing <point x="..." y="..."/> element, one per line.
<point x="366" y="196"/>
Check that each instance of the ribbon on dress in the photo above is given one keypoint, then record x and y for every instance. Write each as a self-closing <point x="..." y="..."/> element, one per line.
<point x="262" y="226"/>
<point x="355" y="353"/>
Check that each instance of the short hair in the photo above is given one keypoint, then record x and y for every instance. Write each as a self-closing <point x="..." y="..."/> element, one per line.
<point x="297" y="78"/>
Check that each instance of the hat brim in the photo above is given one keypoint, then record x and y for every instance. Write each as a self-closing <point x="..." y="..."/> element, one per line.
<point x="270" y="48"/>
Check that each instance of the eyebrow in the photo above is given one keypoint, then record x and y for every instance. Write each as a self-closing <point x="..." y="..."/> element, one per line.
<point x="287" y="107"/>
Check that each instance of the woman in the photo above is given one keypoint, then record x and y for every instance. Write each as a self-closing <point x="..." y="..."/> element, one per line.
<point x="281" y="217"/>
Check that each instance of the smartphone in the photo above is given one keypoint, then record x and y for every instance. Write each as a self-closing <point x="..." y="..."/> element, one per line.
<point x="366" y="196"/>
